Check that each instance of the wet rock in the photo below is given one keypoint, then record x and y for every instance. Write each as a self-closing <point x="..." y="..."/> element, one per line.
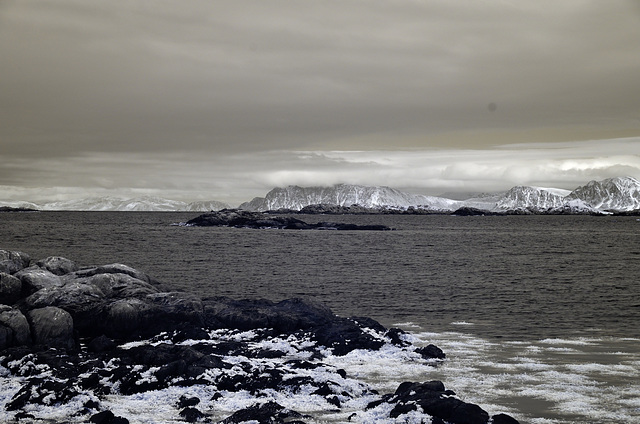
<point x="503" y="419"/>
<point x="344" y="335"/>
<point x="107" y="417"/>
<point x="10" y="289"/>
<point x="180" y="307"/>
<point x="13" y="261"/>
<point x="438" y="402"/>
<point x="57" y="265"/>
<point x="101" y="344"/>
<point x="192" y="415"/>
<point x="266" y="413"/>
<point x="431" y="352"/>
<point x="115" y="269"/>
<point x="73" y="297"/>
<point x="286" y="316"/>
<point x="35" y="278"/>
<point x="186" y="401"/>
<point x="123" y="318"/>
<point x="51" y="326"/>
<point x="17" y="323"/>
<point x="118" y="285"/>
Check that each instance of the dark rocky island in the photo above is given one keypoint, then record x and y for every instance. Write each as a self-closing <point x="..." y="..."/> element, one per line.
<point x="74" y="339"/>
<point x="245" y="219"/>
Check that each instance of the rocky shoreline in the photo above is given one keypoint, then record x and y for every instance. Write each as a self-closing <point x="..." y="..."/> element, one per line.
<point x="78" y="343"/>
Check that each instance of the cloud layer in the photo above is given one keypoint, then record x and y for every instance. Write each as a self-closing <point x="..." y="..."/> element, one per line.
<point x="217" y="98"/>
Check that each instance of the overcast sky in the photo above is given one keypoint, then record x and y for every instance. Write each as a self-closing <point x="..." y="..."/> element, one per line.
<point x="224" y="100"/>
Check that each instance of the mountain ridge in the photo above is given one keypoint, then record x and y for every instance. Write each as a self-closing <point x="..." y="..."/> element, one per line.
<point x="611" y="195"/>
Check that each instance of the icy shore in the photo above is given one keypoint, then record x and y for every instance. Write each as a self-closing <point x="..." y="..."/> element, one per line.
<point x="104" y="345"/>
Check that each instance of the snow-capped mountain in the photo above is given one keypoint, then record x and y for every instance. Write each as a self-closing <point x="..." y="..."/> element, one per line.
<point x="295" y="197"/>
<point x="535" y="198"/>
<point x="615" y="194"/>
<point x="146" y="203"/>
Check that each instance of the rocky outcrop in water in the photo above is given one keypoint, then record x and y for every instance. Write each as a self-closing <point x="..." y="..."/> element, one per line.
<point x="72" y="338"/>
<point x="244" y="219"/>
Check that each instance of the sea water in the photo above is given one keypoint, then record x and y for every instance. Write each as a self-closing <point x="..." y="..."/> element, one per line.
<point x="539" y="315"/>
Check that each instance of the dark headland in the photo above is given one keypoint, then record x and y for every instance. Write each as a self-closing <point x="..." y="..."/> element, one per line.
<point x="69" y="332"/>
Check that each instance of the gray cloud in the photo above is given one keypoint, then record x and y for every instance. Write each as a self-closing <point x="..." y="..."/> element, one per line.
<point x="160" y="94"/>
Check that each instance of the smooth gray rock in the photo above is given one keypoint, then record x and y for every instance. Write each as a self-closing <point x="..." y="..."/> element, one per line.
<point x="57" y="265"/>
<point x="115" y="269"/>
<point x="35" y="278"/>
<point x="118" y="285"/>
<point x="73" y="297"/>
<point x="52" y="326"/>
<point x="17" y="323"/>
<point x="12" y="261"/>
<point x="10" y="289"/>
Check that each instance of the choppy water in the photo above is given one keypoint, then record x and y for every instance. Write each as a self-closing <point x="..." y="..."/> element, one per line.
<point x="539" y="315"/>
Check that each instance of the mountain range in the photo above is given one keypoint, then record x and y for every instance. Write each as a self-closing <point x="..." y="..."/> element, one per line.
<point x="620" y="194"/>
<point x="614" y="194"/>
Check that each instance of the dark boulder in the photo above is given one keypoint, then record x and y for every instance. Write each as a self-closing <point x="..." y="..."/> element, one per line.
<point x="10" y="289"/>
<point x="431" y="352"/>
<point x="52" y="326"/>
<point x="107" y="417"/>
<point x="35" y="278"/>
<point x="192" y="415"/>
<point x="13" y="261"/>
<point x="266" y="413"/>
<point x="286" y="316"/>
<point x="73" y="297"/>
<point x="438" y="402"/>
<point x="503" y="419"/>
<point x="17" y="323"/>
<point x="117" y="285"/>
<point x="344" y="335"/>
<point x="57" y="265"/>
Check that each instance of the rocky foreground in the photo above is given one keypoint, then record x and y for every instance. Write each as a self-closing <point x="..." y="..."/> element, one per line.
<point x="77" y="344"/>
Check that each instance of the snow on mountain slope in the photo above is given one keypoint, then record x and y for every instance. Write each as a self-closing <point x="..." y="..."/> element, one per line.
<point x="295" y="197"/>
<point x="145" y="203"/>
<point x="535" y="198"/>
<point x="616" y="194"/>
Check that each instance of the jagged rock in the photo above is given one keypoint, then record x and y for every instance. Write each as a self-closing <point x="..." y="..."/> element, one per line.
<point x="52" y="326"/>
<point x="13" y="261"/>
<point x="10" y="289"/>
<point x="35" y="278"/>
<point x="17" y="323"/>
<point x="57" y="265"/>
